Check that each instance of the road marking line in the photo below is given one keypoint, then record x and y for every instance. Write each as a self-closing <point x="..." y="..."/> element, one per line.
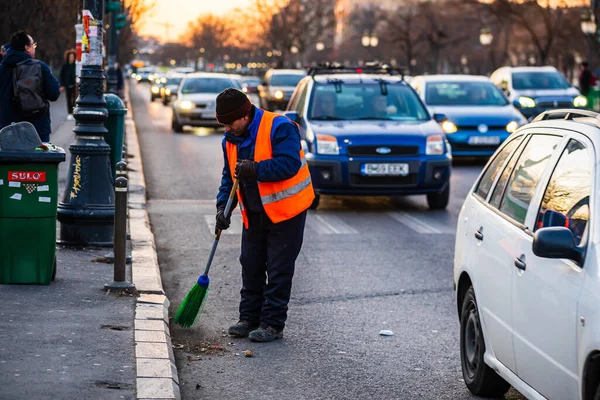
<point x="234" y="229"/>
<point x="414" y="223"/>
<point x="329" y="225"/>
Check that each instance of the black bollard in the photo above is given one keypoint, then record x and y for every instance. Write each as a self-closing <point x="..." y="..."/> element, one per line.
<point x="121" y="171"/>
<point x="120" y="280"/>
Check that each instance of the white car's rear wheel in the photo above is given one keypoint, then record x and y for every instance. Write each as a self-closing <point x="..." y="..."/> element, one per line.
<point x="479" y="378"/>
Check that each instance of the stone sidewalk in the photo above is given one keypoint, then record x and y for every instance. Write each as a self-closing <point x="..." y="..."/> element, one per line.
<point x="71" y="339"/>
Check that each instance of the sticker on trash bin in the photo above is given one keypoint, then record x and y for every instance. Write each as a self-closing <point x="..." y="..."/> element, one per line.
<point x="45" y="199"/>
<point x="14" y="184"/>
<point x="44" y="188"/>
<point x="16" y="196"/>
<point x="26" y="176"/>
<point x="1" y="181"/>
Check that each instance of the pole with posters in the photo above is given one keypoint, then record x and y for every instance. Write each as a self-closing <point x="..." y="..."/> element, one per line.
<point x="86" y="213"/>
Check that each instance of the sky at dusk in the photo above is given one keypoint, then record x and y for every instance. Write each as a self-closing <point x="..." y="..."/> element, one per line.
<point x="180" y="12"/>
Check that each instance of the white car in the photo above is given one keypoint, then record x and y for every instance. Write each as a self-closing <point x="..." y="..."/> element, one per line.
<point x="527" y="266"/>
<point x="196" y="99"/>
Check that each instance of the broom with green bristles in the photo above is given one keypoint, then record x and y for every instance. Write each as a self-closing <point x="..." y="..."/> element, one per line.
<point x="192" y="305"/>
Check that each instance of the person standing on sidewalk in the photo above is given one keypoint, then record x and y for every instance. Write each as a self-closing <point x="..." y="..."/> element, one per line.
<point x="262" y="150"/>
<point x="68" y="81"/>
<point x="587" y="80"/>
<point x="42" y="86"/>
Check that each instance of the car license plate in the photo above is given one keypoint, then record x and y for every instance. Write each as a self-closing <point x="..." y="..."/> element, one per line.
<point x="385" y="169"/>
<point x="484" y="140"/>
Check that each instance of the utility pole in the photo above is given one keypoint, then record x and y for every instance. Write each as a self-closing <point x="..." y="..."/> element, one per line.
<point x="166" y="25"/>
<point x="86" y="213"/>
<point x="112" y="7"/>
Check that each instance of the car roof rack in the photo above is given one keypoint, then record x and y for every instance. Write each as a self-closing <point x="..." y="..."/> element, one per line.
<point x="569" y="114"/>
<point x="369" y="68"/>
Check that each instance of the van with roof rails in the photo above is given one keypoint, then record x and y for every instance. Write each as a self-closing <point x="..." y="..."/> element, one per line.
<point x="534" y="90"/>
<point x="366" y="132"/>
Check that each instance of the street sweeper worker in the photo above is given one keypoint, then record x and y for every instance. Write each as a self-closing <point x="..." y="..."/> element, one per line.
<point x="263" y="151"/>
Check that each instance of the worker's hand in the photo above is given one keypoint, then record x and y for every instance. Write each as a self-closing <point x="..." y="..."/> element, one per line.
<point x="223" y="221"/>
<point x="245" y="169"/>
<point x="62" y="88"/>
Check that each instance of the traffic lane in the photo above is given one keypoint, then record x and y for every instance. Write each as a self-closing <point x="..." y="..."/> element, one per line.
<point x="333" y="350"/>
<point x="188" y="165"/>
<point x="382" y="257"/>
<point x="180" y="235"/>
<point x="198" y="153"/>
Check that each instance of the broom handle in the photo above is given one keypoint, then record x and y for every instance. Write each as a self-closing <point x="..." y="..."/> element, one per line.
<point x="218" y="234"/>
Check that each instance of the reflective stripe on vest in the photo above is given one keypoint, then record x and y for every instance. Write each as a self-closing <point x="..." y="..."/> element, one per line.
<point x="284" y="194"/>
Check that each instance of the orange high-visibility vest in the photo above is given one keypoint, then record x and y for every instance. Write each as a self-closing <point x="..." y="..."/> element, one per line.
<point x="281" y="200"/>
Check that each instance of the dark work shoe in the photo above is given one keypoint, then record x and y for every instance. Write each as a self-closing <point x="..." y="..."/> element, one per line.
<point x="265" y="334"/>
<point x="242" y="328"/>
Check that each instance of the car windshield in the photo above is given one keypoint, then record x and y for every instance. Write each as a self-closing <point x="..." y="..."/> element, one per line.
<point x="174" y="81"/>
<point x="285" y="79"/>
<point x="251" y="81"/>
<point x="464" y="94"/>
<point x="207" y="85"/>
<point x="366" y="101"/>
<point x="539" y="80"/>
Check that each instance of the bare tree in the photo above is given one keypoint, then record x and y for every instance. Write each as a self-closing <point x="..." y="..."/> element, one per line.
<point x="300" y="24"/>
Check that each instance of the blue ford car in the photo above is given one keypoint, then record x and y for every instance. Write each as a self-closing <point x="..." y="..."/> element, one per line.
<point x="366" y="132"/>
<point x="479" y="116"/>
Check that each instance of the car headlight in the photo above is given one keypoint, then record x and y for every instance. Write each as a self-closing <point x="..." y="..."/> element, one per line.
<point x="168" y="92"/>
<point x="138" y="77"/>
<point x="154" y="89"/>
<point x="327" y="144"/>
<point x="449" y="127"/>
<point x="580" y="101"/>
<point x="278" y="94"/>
<point x="512" y="126"/>
<point x="435" y="145"/>
<point x="186" y="105"/>
<point x="526" y="102"/>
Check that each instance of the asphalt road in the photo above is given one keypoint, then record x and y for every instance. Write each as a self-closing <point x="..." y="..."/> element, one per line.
<point x="367" y="264"/>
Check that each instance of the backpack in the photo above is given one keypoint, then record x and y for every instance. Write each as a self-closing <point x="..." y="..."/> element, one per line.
<point x="27" y="85"/>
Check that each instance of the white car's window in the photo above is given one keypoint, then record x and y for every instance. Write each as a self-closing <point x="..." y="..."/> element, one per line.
<point x="486" y="182"/>
<point x="526" y="176"/>
<point x="567" y="197"/>
<point x="503" y="180"/>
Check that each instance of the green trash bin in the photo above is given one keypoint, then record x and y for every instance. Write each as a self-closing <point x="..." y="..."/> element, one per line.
<point x="115" y="124"/>
<point x="28" y="204"/>
<point x="594" y="99"/>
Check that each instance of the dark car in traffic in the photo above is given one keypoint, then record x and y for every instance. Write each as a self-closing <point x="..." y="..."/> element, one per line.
<point x="277" y="88"/>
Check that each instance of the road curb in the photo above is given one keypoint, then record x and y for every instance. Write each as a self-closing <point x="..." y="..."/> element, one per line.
<point x="155" y="362"/>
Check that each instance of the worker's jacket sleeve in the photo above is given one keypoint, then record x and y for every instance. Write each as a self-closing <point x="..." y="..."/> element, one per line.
<point x="226" y="181"/>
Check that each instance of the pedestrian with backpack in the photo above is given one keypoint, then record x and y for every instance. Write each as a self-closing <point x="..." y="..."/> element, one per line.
<point x="26" y="86"/>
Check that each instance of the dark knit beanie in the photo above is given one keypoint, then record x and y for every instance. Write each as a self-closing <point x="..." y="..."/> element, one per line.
<point x="232" y="104"/>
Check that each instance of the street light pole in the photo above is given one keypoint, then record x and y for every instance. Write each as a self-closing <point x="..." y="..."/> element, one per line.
<point x="87" y="210"/>
<point x="485" y="38"/>
<point x="113" y="40"/>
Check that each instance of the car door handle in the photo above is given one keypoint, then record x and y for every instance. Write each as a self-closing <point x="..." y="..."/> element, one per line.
<point x="478" y="234"/>
<point x="519" y="263"/>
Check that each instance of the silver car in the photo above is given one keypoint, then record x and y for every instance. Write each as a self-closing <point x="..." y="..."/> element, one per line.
<point x="196" y="99"/>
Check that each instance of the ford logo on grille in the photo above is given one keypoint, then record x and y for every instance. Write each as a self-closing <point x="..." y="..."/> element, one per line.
<point x="383" y="150"/>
